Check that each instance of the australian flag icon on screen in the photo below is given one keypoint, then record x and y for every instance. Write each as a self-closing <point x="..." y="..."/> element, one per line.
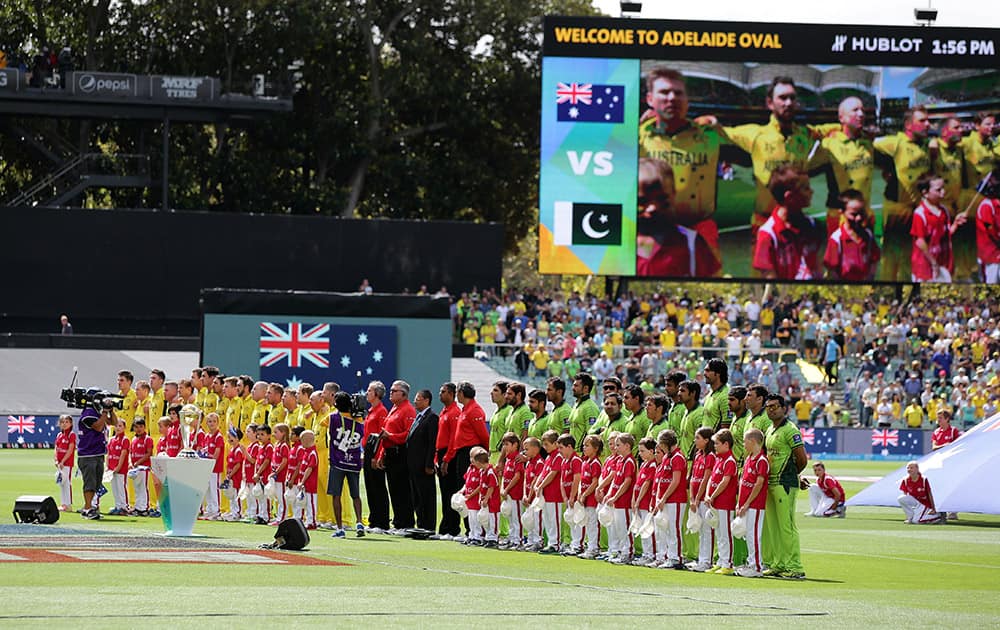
<point x="586" y="102"/>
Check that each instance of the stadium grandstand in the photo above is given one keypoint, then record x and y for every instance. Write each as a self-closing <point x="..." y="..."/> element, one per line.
<point x="728" y="85"/>
<point x="961" y="93"/>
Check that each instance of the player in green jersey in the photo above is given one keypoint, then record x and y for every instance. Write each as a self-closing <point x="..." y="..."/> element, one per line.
<point x="741" y="420"/>
<point x="635" y="407"/>
<point x="498" y="421"/>
<point x="555" y="391"/>
<point x="520" y="415"/>
<point x="756" y="397"/>
<point x="610" y="385"/>
<point x="539" y="423"/>
<point x="717" y="402"/>
<point x="585" y="411"/>
<point x="672" y="384"/>
<point x="787" y="457"/>
<point x="656" y="411"/>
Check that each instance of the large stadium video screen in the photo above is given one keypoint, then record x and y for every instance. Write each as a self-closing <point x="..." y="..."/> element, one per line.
<point x="777" y="152"/>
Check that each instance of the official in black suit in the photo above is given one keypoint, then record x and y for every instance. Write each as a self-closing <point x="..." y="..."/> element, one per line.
<point x="420" y="453"/>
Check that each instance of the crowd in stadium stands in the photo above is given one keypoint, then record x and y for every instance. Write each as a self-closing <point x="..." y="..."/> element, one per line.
<point x="884" y="364"/>
<point x="47" y="68"/>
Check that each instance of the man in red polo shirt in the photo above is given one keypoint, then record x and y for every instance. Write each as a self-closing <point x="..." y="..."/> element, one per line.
<point x="470" y="431"/>
<point x="787" y="244"/>
<point x="375" y="490"/>
<point x="449" y="482"/>
<point x="391" y="455"/>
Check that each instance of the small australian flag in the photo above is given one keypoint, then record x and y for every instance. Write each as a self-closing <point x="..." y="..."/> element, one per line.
<point x="586" y="102"/>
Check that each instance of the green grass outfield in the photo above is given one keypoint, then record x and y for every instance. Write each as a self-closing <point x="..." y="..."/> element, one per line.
<point x="868" y="570"/>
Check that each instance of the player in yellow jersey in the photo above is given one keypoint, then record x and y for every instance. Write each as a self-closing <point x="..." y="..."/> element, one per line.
<point x="276" y="412"/>
<point x="157" y="403"/>
<point x="690" y="149"/>
<point x="949" y="163"/>
<point x="291" y="407"/>
<point x="781" y="142"/>
<point x="129" y="404"/>
<point x="320" y="426"/>
<point x="849" y="160"/>
<point x="233" y="405"/>
<point x="247" y="400"/>
<point x="305" y="410"/>
<point x="905" y="156"/>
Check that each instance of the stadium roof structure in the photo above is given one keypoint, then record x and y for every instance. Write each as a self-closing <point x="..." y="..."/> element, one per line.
<point x="160" y="99"/>
<point x="105" y="95"/>
<point x="751" y="76"/>
<point x="934" y="77"/>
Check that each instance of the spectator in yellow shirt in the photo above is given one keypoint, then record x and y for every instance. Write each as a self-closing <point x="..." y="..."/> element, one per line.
<point x="802" y="410"/>
<point x="914" y="415"/>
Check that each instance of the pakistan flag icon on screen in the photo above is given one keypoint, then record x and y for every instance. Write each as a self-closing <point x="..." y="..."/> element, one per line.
<point x="587" y="223"/>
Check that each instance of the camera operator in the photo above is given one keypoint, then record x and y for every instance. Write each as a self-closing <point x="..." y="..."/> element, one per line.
<point x="92" y="447"/>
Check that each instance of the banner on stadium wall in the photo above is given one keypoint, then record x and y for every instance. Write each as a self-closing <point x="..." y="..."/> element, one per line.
<point x="659" y="140"/>
<point x="26" y="431"/>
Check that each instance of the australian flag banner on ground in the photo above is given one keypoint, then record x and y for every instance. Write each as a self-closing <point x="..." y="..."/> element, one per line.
<point x="295" y="352"/>
<point x="819" y="440"/>
<point x="29" y="431"/>
<point x="897" y="442"/>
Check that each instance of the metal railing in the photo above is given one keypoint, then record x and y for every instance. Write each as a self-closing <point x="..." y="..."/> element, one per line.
<point x="78" y="169"/>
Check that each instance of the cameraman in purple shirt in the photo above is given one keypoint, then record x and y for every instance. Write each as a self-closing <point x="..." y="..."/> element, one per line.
<point x="92" y="445"/>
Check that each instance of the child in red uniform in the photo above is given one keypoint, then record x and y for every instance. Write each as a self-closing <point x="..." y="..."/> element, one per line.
<point x="988" y="231"/>
<point x="753" y="500"/>
<point x="141" y="451"/>
<point x="932" y="259"/>
<point x="471" y="491"/>
<point x="701" y="471"/>
<point x="548" y="486"/>
<point x="163" y="425"/>
<point x="642" y="499"/>
<point x="664" y="247"/>
<point x="590" y="477"/>
<point x="608" y="470"/>
<point x="511" y="488"/>
<point x="234" y="473"/>
<point x="489" y="496"/>
<point x="532" y="471"/>
<point x="851" y="250"/>
<point x="721" y="497"/>
<point x="671" y="499"/>
<point x="261" y="473"/>
<point x="175" y="441"/>
<point x="118" y="459"/>
<point x="620" y="498"/>
<point x="296" y="451"/>
<point x="569" y="482"/>
<point x="254" y="505"/>
<point x="279" y="471"/>
<point x="308" y="477"/>
<point x="213" y="444"/>
<point x="787" y="244"/>
<point x="65" y="453"/>
<point x="917" y="501"/>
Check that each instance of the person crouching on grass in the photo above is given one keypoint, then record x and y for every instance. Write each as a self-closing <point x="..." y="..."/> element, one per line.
<point x="917" y="501"/>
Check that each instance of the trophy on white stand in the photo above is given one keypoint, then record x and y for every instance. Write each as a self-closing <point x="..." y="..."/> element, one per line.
<point x="185" y="479"/>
